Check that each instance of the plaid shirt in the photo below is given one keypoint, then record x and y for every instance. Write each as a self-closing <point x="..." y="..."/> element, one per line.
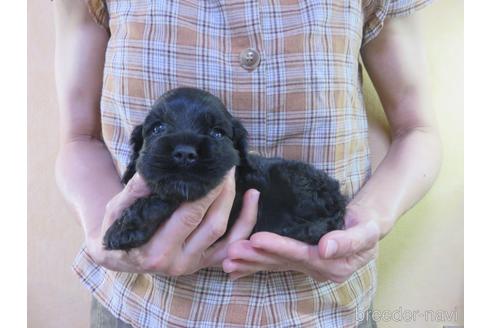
<point x="304" y="102"/>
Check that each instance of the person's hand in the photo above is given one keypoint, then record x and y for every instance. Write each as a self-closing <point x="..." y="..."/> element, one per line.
<point x="186" y="242"/>
<point x="336" y="257"/>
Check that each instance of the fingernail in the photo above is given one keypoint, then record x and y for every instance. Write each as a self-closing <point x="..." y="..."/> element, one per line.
<point x="227" y="266"/>
<point x="331" y="248"/>
<point x="254" y="241"/>
<point x="255" y="195"/>
<point x="372" y="227"/>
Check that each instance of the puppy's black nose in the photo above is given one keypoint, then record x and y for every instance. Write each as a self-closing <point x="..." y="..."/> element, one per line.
<point x="184" y="154"/>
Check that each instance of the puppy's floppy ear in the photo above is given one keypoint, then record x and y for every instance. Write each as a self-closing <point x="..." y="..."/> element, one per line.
<point x="136" y="140"/>
<point x="240" y="140"/>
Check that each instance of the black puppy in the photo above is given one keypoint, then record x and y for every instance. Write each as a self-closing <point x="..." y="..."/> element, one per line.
<point x="184" y="149"/>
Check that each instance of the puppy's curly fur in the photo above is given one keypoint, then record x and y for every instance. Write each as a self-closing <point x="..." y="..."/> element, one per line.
<point x="185" y="147"/>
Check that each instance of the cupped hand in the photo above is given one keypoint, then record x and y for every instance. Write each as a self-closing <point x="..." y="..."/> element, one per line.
<point x="186" y="242"/>
<point x="336" y="257"/>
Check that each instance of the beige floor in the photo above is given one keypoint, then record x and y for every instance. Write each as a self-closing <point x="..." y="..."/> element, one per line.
<point x="421" y="261"/>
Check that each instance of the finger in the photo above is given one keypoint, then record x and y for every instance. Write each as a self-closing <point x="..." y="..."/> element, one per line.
<point x="246" y="221"/>
<point x="237" y="275"/>
<point x="214" y="223"/>
<point x="344" y="243"/>
<point x="244" y="251"/>
<point x="135" y="188"/>
<point x="360" y="259"/>
<point x="241" y="229"/>
<point x="289" y="248"/>
<point x="240" y="266"/>
<point x="188" y="216"/>
<point x="343" y="268"/>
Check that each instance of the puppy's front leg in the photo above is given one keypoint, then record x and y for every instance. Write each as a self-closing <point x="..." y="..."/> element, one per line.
<point x="138" y="223"/>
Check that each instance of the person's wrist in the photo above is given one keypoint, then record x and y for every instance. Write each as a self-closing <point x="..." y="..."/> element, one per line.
<point x="91" y="234"/>
<point x="94" y="249"/>
<point x="92" y="237"/>
<point x="358" y="213"/>
<point x="91" y="231"/>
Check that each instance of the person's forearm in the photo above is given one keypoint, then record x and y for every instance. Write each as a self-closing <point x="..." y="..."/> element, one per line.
<point x="402" y="178"/>
<point x="88" y="179"/>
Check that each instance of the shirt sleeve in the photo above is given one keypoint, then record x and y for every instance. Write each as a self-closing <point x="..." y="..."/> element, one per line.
<point x="376" y="11"/>
<point x="99" y="12"/>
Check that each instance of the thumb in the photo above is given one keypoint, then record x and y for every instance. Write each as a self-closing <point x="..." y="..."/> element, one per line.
<point x="344" y="243"/>
<point x="246" y="221"/>
<point x="135" y="188"/>
<point x="241" y="229"/>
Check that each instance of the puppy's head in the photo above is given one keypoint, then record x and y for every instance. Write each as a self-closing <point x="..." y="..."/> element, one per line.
<point x="186" y="144"/>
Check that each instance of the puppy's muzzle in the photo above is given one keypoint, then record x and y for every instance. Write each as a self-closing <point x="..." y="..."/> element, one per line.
<point x="181" y="150"/>
<point x="184" y="155"/>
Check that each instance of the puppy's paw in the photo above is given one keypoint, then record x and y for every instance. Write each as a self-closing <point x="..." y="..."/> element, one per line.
<point x="124" y="234"/>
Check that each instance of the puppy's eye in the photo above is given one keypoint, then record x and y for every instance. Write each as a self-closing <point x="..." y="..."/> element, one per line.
<point x="158" y="128"/>
<point x="217" y="133"/>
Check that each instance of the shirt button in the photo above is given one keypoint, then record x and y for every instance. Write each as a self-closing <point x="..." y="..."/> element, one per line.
<point x="249" y="59"/>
